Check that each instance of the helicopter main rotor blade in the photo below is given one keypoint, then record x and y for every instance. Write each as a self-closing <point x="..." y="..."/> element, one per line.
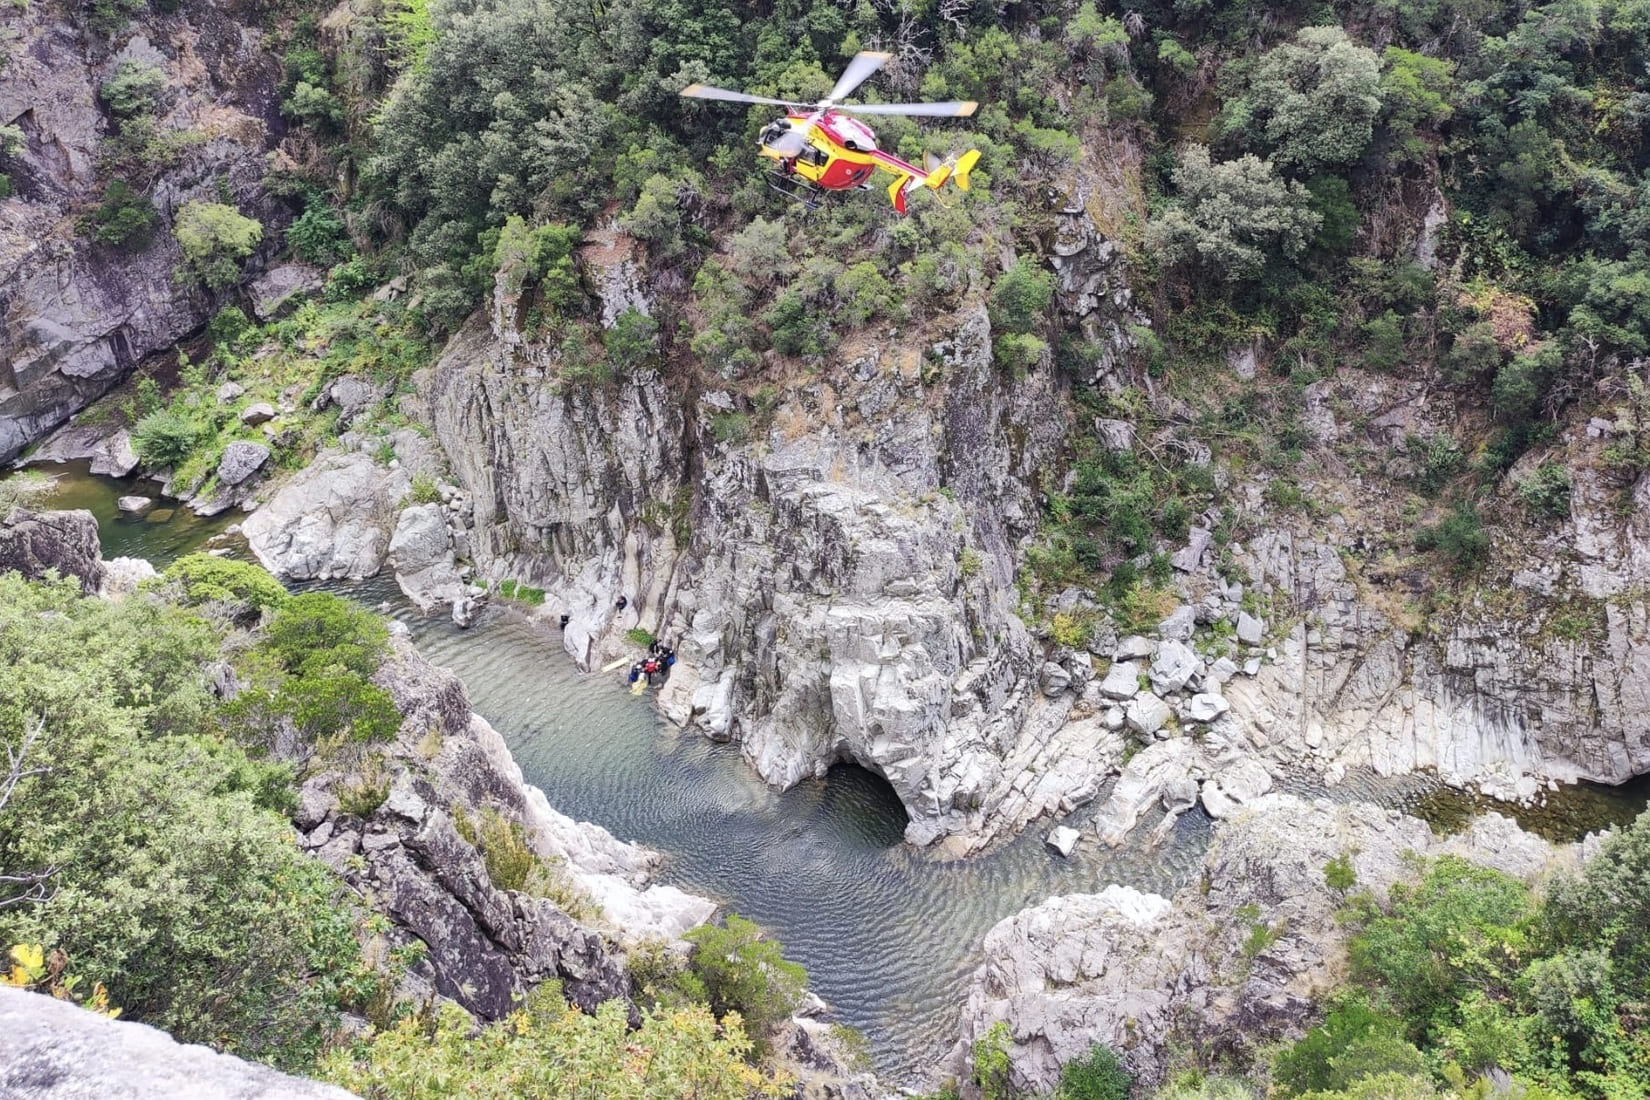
<point x="954" y="109"/>
<point x="705" y="91"/>
<point x="859" y="70"/>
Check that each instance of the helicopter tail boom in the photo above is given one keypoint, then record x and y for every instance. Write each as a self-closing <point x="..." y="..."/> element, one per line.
<point x="953" y="169"/>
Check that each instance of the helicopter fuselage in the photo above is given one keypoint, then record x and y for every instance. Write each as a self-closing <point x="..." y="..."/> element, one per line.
<point x="838" y="153"/>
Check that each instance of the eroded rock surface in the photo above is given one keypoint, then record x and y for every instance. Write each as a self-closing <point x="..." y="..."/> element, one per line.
<point x="76" y="316"/>
<point x="332" y="519"/>
<point x="1141" y="972"/>
<point x="35" y="543"/>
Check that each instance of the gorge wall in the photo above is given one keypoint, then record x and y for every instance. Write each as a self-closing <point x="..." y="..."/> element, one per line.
<point x="76" y="315"/>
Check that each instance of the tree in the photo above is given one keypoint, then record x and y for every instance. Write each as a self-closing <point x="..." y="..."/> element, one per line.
<point x="135" y="89"/>
<point x="1228" y="219"/>
<point x="216" y="239"/>
<point x="1312" y="102"/>
<point x="746" y="974"/>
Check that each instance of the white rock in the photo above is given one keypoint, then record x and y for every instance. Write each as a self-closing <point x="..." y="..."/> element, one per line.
<point x="229" y="391"/>
<point x="1251" y="667"/>
<point x="1146" y="713"/>
<point x="1180" y="624"/>
<point x="1174" y="666"/>
<point x="1063" y="839"/>
<point x="1135" y="647"/>
<point x="332" y="519"/>
<point x="257" y="413"/>
<point x="1122" y="681"/>
<point x="1206" y="707"/>
<point x="1189" y="557"/>
<point x="1053" y="679"/>
<point x="1250" y="630"/>
<point x="240" y="461"/>
<point x="134" y="506"/>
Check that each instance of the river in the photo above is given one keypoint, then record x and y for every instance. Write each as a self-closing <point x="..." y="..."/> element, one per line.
<point x="889" y="935"/>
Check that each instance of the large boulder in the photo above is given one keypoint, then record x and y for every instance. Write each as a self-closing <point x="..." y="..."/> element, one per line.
<point x="34" y="543"/>
<point x="332" y="519"/>
<point x="55" y="1050"/>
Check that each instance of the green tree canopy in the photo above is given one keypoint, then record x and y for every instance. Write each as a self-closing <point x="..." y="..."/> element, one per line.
<point x="1229" y="219"/>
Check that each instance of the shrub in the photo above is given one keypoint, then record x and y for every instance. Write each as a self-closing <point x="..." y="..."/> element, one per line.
<point x="425" y="490"/>
<point x="1546" y="491"/>
<point x="1309" y="1064"/>
<point x="134" y="89"/>
<point x="639" y="637"/>
<point x="318" y="629"/>
<point x="318" y="235"/>
<point x="1459" y="539"/>
<point x="215" y="240"/>
<point x="164" y="439"/>
<point x="1017" y="353"/>
<point x="124" y="217"/>
<point x="1020" y="298"/>
<point x="1099" y="1076"/>
<point x="630" y="342"/>
<point x="205" y="578"/>
<point x="550" y="1049"/>
<point x="1228" y="218"/>
<point x="745" y="973"/>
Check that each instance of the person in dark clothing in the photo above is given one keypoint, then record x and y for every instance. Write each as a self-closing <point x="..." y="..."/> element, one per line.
<point x="622" y="604"/>
<point x="565" y="619"/>
<point x="636" y="672"/>
<point x="654" y="647"/>
<point x="667" y="655"/>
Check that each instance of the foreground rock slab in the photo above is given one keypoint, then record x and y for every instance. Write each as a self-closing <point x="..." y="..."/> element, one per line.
<point x="54" y="1050"/>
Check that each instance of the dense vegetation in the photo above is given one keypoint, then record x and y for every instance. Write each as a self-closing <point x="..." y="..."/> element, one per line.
<point x="147" y="848"/>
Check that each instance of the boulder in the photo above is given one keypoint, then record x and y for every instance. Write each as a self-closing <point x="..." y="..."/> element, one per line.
<point x="1122" y="680"/>
<point x="1180" y="624"/>
<point x="1135" y="647"/>
<point x="1175" y="665"/>
<point x="1206" y="706"/>
<point x="1233" y="785"/>
<point x="230" y="391"/>
<point x="332" y="519"/>
<point x="1189" y="557"/>
<point x="421" y="552"/>
<point x="257" y="413"/>
<point x="1063" y="839"/>
<point x="278" y="287"/>
<point x="55" y="1050"/>
<point x="33" y="543"/>
<point x="108" y="448"/>
<point x="1250" y="630"/>
<point x="1146" y="713"/>
<point x="121" y="576"/>
<point x="240" y="461"/>
<point x="1115" y="435"/>
<point x="134" y="506"/>
<point x="1053" y="679"/>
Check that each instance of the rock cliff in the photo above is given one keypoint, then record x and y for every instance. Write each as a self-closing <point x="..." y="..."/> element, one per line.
<point x="1232" y="962"/>
<point x="834" y="559"/>
<point x="76" y="315"/>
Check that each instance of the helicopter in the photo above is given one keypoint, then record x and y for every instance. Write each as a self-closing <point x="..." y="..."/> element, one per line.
<point x="818" y="147"/>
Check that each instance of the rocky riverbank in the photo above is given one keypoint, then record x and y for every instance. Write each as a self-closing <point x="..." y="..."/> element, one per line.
<point x="1233" y="961"/>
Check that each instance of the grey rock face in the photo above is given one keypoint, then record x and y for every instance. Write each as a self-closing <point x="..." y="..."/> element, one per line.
<point x="109" y="448"/>
<point x="1137" y="971"/>
<point x="277" y="288"/>
<point x="820" y="606"/>
<point x="332" y="519"/>
<point x="33" y="543"/>
<point x="1481" y="698"/>
<point x="75" y="317"/>
<point x="54" y="1050"/>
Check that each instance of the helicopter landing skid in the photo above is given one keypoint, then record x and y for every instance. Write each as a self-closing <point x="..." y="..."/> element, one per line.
<point x="797" y="189"/>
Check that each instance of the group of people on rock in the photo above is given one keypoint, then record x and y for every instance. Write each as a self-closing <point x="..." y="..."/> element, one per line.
<point x="657" y="662"/>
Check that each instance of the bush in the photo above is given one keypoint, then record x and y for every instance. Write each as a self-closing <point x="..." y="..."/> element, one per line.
<point x="1228" y="219"/>
<point x="177" y="884"/>
<point x="744" y="973"/>
<point x="205" y="579"/>
<point x="1546" y="492"/>
<point x="134" y="89"/>
<point x="548" y="1049"/>
<point x="215" y="239"/>
<point x="630" y="342"/>
<point x="1100" y="1076"/>
<point x="1459" y="538"/>
<point x="1020" y="298"/>
<point x="320" y="630"/>
<point x="1310" y="1064"/>
<point x="164" y="439"/>
<point x="318" y="235"/>
<point x="124" y="217"/>
<point x="639" y="637"/>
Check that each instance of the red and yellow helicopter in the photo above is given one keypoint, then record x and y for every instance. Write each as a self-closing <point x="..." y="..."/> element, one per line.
<point x="819" y="148"/>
